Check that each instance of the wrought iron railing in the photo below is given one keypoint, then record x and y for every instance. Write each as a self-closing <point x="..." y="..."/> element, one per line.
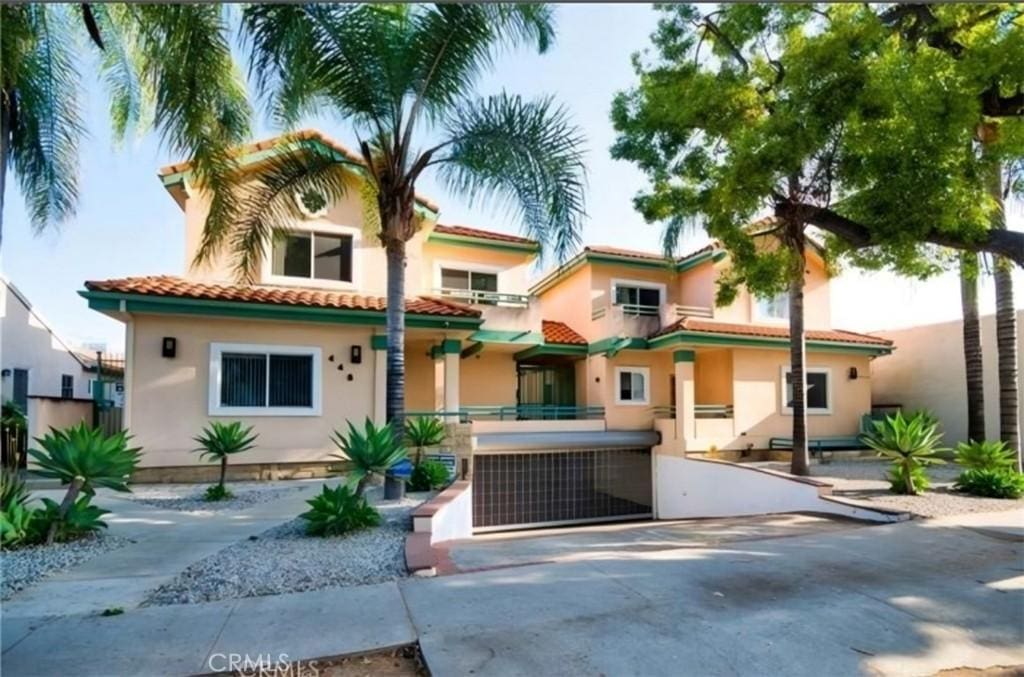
<point x="487" y="298"/>
<point x="639" y="309"/>
<point x="664" y="412"/>
<point x="515" y="412"/>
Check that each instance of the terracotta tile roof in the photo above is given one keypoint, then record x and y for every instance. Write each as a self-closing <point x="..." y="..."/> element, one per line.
<point x="768" y="331"/>
<point x="628" y="253"/>
<point x="300" y="135"/>
<point x="560" y="332"/>
<point x="166" y="285"/>
<point x="466" y="231"/>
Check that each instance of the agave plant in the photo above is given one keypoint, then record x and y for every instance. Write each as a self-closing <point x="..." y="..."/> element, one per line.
<point x="20" y="525"/>
<point x="371" y="451"/>
<point x="12" y="489"/>
<point x="986" y="455"/>
<point x="84" y="458"/>
<point x="424" y="431"/>
<point x="336" y="511"/>
<point x="218" y="442"/>
<point x="911" y="445"/>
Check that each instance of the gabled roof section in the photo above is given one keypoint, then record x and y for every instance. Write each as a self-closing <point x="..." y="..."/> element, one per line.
<point x="170" y="287"/>
<point x="696" y="326"/>
<point x="627" y="257"/>
<point x="477" y="237"/>
<point x="561" y="333"/>
<point x="255" y="152"/>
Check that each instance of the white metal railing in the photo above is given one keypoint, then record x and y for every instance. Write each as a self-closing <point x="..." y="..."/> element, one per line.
<point x="489" y="298"/>
<point x="692" y="311"/>
<point x="712" y="411"/>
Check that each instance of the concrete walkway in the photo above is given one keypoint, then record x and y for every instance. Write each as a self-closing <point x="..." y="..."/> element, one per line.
<point x="165" y="543"/>
<point x="910" y="598"/>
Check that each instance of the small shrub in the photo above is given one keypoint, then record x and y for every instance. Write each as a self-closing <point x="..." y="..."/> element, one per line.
<point x="986" y="455"/>
<point x="371" y="451"/>
<point x="78" y="519"/>
<point x="217" y="492"/>
<point x="112" y="611"/>
<point x="898" y="481"/>
<point x="428" y="475"/>
<point x="219" y="441"/>
<point x="991" y="483"/>
<point x="20" y="526"/>
<point x="424" y="431"/>
<point x="12" y="489"/>
<point x="911" y="445"/>
<point x="337" y="511"/>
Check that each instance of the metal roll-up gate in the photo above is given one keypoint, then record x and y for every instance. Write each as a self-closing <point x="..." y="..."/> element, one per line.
<point x="529" y="480"/>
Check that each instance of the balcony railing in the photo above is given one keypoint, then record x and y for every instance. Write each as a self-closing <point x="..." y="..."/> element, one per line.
<point x="515" y="412"/>
<point x="486" y="298"/>
<point x="699" y="411"/>
<point x="691" y="311"/>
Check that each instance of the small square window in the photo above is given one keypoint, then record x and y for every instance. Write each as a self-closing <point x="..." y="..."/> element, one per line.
<point x="819" y="390"/>
<point x="318" y="256"/>
<point x="631" y="385"/>
<point x="775" y="309"/>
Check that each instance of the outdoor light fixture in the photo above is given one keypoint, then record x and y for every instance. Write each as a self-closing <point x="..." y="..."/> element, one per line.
<point x="356" y="355"/>
<point x="853" y="373"/>
<point x="5" y="373"/>
<point x="169" y="346"/>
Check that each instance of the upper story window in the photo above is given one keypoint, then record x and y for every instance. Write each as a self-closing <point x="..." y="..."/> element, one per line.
<point x="313" y="256"/>
<point x="477" y="286"/>
<point x="67" y="386"/>
<point x="637" y="298"/>
<point x="260" y="380"/>
<point x="775" y="309"/>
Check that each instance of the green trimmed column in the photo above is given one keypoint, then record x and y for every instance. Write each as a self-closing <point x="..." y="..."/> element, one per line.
<point x="379" y="345"/>
<point x="451" y="349"/>
<point x="685" y="419"/>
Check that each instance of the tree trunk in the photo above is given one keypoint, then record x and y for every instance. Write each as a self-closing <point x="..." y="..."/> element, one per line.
<point x="5" y="137"/>
<point x="801" y="458"/>
<point x="908" y="481"/>
<point x="223" y="470"/>
<point x="65" y="505"/>
<point x="972" y="347"/>
<point x="395" y="398"/>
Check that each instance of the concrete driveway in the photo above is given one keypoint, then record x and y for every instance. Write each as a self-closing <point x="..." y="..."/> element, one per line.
<point x="900" y="599"/>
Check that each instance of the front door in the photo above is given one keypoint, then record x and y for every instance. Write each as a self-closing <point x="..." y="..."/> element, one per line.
<point x="546" y="391"/>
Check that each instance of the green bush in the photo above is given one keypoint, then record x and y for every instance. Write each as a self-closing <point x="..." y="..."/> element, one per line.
<point x="986" y="455"/>
<point x="83" y="458"/>
<point x="424" y="431"/>
<point x="371" y="451"/>
<point x="991" y="483"/>
<point x="12" y="489"/>
<point x="911" y="445"/>
<point x="80" y="518"/>
<point x="21" y="525"/>
<point x="219" y="441"/>
<point x="337" y="511"/>
<point x="428" y="475"/>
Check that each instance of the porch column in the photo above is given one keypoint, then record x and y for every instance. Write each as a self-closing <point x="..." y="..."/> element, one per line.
<point x="685" y="425"/>
<point x="379" y="344"/>
<point x="451" y="348"/>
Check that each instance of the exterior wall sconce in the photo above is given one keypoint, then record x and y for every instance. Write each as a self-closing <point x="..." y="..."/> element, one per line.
<point x="356" y="355"/>
<point x="853" y="373"/>
<point x="169" y="347"/>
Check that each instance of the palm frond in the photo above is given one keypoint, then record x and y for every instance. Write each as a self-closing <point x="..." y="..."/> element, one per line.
<point x="47" y="125"/>
<point x="528" y="157"/>
<point x="123" y="69"/>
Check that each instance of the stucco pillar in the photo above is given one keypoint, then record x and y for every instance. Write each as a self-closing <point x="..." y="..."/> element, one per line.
<point x="685" y="424"/>
<point x="451" y="349"/>
<point x="379" y="344"/>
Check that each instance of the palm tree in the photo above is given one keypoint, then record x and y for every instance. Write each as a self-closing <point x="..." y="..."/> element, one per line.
<point x="167" y="67"/>
<point x="972" y="347"/>
<point x="403" y="76"/>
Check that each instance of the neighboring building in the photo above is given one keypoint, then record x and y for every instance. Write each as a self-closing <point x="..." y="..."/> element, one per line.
<point x="39" y="371"/>
<point x="620" y="341"/>
<point x="928" y="372"/>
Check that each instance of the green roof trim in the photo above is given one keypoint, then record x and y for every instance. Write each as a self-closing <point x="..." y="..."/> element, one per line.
<point x="471" y="350"/>
<point x="552" y="349"/>
<point x="142" y="303"/>
<point x="378" y="342"/>
<point x="700" y="338"/>
<point x="483" y="243"/>
<point x="683" y="356"/>
<point x="507" y="336"/>
<point x="615" y="344"/>
<point x="451" y="346"/>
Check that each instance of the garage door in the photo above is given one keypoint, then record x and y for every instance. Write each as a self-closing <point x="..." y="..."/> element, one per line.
<point x="535" y="488"/>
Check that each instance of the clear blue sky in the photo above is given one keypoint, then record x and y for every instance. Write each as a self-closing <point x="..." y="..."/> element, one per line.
<point x="128" y="225"/>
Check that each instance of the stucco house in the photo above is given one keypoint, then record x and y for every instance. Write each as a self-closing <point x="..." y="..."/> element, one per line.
<point x="618" y="343"/>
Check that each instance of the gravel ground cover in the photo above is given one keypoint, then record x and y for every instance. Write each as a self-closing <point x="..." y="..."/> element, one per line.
<point x="284" y="559"/>
<point x="865" y="481"/>
<point x="22" y="567"/>
<point x="189" y="497"/>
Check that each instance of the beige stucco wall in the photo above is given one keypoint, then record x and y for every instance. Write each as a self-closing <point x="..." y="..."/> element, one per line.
<point x="712" y="376"/>
<point x="170" y="398"/>
<point x="817" y="300"/>
<point x="696" y="286"/>
<point x="421" y="391"/>
<point x="45" y="413"/>
<point x="926" y="371"/>
<point x="488" y="378"/>
<point x="569" y="302"/>
<point x="635" y="417"/>
<point x="513" y="268"/>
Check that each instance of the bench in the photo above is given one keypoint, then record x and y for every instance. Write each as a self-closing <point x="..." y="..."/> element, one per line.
<point x="836" y="443"/>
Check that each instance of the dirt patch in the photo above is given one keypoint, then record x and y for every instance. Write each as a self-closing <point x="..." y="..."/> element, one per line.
<point x="404" y="661"/>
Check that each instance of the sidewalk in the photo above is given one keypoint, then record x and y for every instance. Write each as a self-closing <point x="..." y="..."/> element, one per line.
<point x="166" y="543"/>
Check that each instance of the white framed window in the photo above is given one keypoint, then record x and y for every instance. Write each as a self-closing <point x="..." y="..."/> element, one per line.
<point x="638" y="297"/>
<point x="478" y="285"/>
<point x="632" y="385"/>
<point x="818" y="397"/>
<point x="774" y="309"/>
<point x="324" y="257"/>
<point x="248" y="379"/>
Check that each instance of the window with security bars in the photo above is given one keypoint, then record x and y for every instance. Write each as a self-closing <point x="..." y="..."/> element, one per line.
<point x="270" y="381"/>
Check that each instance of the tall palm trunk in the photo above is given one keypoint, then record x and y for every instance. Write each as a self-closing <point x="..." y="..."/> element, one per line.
<point x="973" y="363"/>
<point x="395" y="394"/>
<point x="5" y="136"/>
<point x="801" y="458"/>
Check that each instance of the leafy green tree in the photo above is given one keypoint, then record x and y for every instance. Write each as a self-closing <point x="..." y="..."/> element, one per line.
<point x="404" y="77"/>
<point x="165" y="67"/>
<point x="832" y="116"/>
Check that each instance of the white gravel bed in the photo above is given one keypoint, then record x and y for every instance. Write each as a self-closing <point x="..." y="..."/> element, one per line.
<point x="22" y="567"/>
<point x="284" y="559"/>
<point x="189" y="497"/>
<point x="865" y="481"/>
